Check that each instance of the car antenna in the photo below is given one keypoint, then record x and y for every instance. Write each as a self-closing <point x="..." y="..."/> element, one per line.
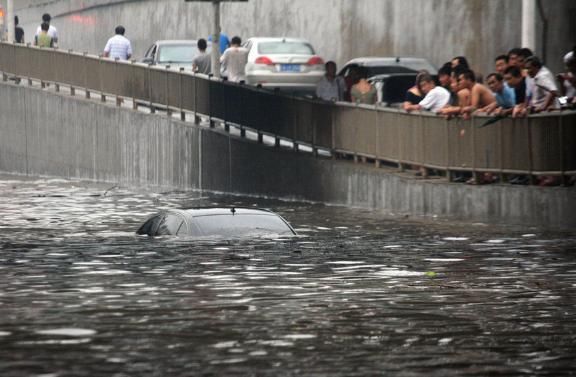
<point x="233" y="210"/>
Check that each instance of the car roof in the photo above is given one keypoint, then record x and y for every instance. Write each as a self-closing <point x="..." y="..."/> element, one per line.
<point x="213" y="211"/>
<point x="387" y="60"/>
<point x="391" y="61"/>
<point x="277" y="39"/>
<point x="177" y="42"/>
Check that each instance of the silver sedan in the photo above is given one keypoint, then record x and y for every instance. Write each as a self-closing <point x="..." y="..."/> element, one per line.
<point x="288" y="63"/>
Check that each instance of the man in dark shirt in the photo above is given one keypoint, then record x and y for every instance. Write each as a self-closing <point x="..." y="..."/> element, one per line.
<point x="18" y="31"/>
<point x="516" y="80"/>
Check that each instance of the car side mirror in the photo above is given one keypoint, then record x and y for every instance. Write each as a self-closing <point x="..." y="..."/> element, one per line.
<point x="148" y="60"/>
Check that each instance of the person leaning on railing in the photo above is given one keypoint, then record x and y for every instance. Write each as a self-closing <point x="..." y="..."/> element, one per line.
<point x="480" y="95"/>
<point x="544" y="88"/>
<point x="363" y="92"/>
<point x="435" y="97"/>
<point x="567" y="82"/>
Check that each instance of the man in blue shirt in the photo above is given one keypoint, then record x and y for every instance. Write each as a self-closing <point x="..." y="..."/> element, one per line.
<point x="224" y="42"/>
<point x="505" y="96"/>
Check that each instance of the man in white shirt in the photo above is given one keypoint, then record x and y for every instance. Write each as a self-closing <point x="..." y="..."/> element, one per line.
<point x="234" y="60"/>
<point x="118" y="47"/>
<point x="545" y="89"/>
<point x="331" y="87"/>
<point x="52" y="31"/>
<point x="436" y="97"/>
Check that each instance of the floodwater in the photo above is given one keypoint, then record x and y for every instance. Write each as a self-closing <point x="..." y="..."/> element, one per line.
<point x="357" y="294"/>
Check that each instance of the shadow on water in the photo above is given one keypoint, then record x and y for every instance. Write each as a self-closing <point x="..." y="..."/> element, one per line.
<point x="355" y="294"/>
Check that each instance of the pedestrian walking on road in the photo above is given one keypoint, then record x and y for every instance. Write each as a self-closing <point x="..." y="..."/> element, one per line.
<point x="234" y="61"/>
<point x="52" y="32"/>
<point x="44" y="39"/>
<point x="202" y="62"/>
<point x="18" y="31"/>
<point x="118" y="47"/>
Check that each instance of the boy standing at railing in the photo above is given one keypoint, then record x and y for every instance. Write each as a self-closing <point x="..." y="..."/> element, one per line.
<point x="52" y="32"/>
<point x="43" y="39"/>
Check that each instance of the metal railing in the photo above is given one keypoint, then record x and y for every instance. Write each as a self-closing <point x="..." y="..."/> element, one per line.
<point x="541" y="144"/>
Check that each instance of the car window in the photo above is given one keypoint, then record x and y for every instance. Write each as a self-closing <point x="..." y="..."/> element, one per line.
<point x="241" y="225"/>
<point x="297" y="48"/>
<point x="162" y="225"/>
<point x="177" y="53"/>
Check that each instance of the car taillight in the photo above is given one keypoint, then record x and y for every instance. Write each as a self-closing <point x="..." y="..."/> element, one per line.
<point x="264" y="60"/>
<point x="315" y="60"/>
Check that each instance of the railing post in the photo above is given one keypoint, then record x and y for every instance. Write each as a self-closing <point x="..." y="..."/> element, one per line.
<point x="100" y="67"/>
<point x="377" y="138"/>
<point x="86" y="90"/>
<point x="530" y="151"/>
<point x="167" y="90"/>
<point x="150" y="104"/>
<point x="54" y="66"/>
<point x="196" y="117"/>
<point x="401" y="132"/>
<point x="333" y="132"/>
<point x="134" y="102"/>
<point x="116" y="80"/>
<point x="475" y="174"/>
<point x="448" y="150"/>
<point x="210" y="123"/>
<point x="424" y="160"/>
<point x="226" y="125"/>
<point x="501" y="144"/>
<point x="180" y="79"/>
<point x="563" y="177"/>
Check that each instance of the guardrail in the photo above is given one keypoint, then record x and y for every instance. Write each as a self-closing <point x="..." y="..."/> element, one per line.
<point x="541" y="144"/>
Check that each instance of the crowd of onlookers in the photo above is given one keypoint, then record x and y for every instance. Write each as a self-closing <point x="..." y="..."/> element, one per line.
<point x="520" y="84"/>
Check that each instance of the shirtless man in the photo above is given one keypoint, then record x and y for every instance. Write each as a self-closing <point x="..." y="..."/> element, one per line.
<point x="480" y="95"/>
<point x="460" y="95"/>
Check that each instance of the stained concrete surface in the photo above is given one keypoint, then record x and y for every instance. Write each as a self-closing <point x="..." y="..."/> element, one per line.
<point x="339" y="29"/>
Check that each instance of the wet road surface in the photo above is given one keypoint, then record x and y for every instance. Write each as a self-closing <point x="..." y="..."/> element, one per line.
<point x="357" y="294"/>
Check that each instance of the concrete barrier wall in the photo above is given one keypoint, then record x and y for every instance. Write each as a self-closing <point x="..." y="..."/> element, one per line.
<point x="47" y="134"/>
<point x="340" y="29"/>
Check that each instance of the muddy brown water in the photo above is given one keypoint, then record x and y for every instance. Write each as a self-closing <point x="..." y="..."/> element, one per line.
<point x="356" y="294"/>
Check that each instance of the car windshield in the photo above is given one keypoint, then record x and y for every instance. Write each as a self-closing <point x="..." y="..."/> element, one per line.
<point x="389" y="69"/>
<point x="177" y="53"/>
<point x="241" y="225"/>
<point x="283" y="47"/>
<point x="162" y="225"/>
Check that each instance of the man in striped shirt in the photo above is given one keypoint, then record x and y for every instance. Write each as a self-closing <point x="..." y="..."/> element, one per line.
<point x="118" y="47"/>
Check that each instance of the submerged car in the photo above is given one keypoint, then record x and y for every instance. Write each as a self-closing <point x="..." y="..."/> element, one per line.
<point x="289" y="63"/>
<point x="216" y="222"/>
<point x="175" y="53"/>
<point x="392" y="76"/>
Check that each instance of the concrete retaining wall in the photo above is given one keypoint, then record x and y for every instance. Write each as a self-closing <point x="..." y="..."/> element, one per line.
<point x="49" y="134"/>
<point x="340" y="29"/>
